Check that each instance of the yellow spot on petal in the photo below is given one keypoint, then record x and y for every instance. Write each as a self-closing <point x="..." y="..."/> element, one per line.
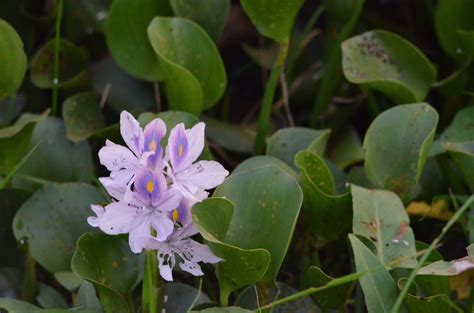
<point x="152" y="145"/>
<point x="175" y="215"/>
<point x="180" y="151"/>
<point x="150" y="186"/>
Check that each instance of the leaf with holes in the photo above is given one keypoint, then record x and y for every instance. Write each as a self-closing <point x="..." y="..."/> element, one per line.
<point x="388" y="63"/>
<point x="380" y="216"/>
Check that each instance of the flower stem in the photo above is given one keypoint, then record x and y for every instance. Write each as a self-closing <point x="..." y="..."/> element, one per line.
<point x="57" y="46"/>
<point x="267" y="102"/>
<point x="434" y="243"/>
<point x="152" y="293"/>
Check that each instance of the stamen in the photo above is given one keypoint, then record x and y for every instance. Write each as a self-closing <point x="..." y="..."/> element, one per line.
<point x="175" y="215"/>
<point x="150" y="186"/>
<point x="152" y="145"/>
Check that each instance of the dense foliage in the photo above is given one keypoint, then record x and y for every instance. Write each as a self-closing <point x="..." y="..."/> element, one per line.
<point x="347" y="127"/>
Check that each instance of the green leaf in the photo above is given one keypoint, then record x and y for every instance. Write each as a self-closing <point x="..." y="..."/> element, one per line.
<point x="388" y="63"/>
<point x="17" y="306"/>
<point x="181" y="297"/>
<point x="379" y="289"/>
<point x="56" y="158"/>
<point x="52" y="220"/>
<point x="286" y="142"/>
<point x="68" y="280"/>
<point x="83" y="18"/>
<point x="248" y="299"/>
<point x="380" y="216"/>
<point x="267" y="202"/>
<point x="231" y="309"/>
<point x="463" y="155"/>
<point x="13" y="66"/>
<point x="264" y="160"/>
<point x="467" y="41"/>
<point x="450" y="17"/>
<point x="329" y="299"/>
<point x="323" y="206"/>
<point x="190" y="62"/>
<point x="126" y="34"/>
<point x="210" y="15"/>
<point x="108" y="262"/>
<point x="82" y="116"/>
<point x="73" y="61"/>
<point x="14" y="140"/>
<point x="242" y="266"/>
<point x="273" y="18"/>
<point x="124" y="91"/>
<point x="415" y="303"/>
<point x="87" y="298"/>
<point x="10" y="202"/>
<point x="461" y="128"/>
<point x="347" y="149"/>
<point x="396" y="147"/>
<point x="50" y="298"/>
<point x="232" y="137"/>
<point x="451" y="268"/>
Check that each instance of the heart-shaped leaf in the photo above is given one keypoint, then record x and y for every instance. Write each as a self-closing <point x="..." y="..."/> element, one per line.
<point x="108" y="262"/>
<point x="127" y="37"/>
<point x="13" y="65"/>
<point x="241" y="267"/>
<point x="379" y="289"/>
<point x="440" y="303"/>
<point x="86" y="297"/>
<point x="287" y="142"/>
<point x="323" y="205"/>
<point x="190" y="61"/>
<point x="267" y="202"/>
<point x="50" y="298"/>
<point x="273" y="18"/>
<point x="211" y="14"/>
<point x="347" y="150"/>
<point x="232" y="137"/>
<point x="396" y="147"/>
<point x="82" y="116"/>
<point x="56" y="158"/>
<point x="386" y="62"/>
<point x="52" y="220"/>
<point x="380" y="216"/>
<point x="14" y="140"/>
<point x="73" y="61"/>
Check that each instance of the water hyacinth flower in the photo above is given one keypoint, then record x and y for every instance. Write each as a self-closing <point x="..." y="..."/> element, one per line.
<point x="179" y="243"/>
<point x="145" y="217"/>
<point x="153" y="196"/>
<point x="191" y="179"/>
<point x="143" y="149"/>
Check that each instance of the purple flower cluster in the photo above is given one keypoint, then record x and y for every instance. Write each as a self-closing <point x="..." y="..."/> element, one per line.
<point x="154" y="190"/>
